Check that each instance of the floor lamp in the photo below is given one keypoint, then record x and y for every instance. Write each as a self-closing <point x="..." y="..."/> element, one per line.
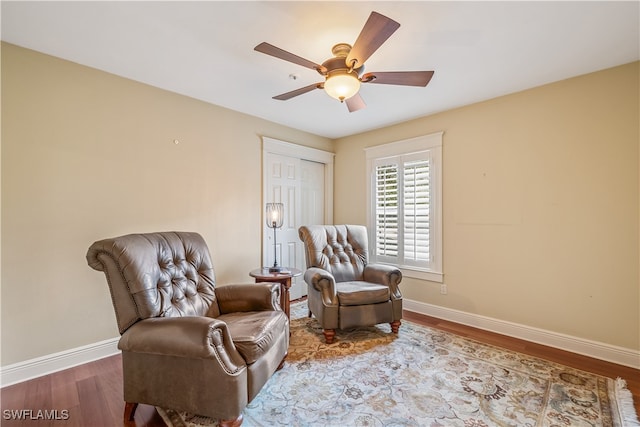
<point x="274" y="217"/>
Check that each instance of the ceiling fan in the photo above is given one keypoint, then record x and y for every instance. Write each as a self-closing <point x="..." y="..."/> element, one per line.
<point x="345" y="71"/>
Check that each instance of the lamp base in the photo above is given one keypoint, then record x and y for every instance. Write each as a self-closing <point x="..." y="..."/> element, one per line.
<point x="275" y="269"/>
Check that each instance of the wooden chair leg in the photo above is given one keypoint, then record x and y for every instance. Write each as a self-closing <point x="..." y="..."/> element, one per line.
<point x="232" y="423"/>
<point x="129" y="412"/>
<point x="395" y="325"/>
<point x="328" y="335"/>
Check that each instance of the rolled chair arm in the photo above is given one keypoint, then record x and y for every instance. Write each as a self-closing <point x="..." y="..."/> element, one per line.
<point x="189" y="337"/>
<point x="323" y="282"/>
<point x="248" y="297"/>
<point x="386" y="275"/>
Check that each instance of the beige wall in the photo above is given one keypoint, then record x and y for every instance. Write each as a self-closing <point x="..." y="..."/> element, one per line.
<point x="540" y="205"/>
<point x="540" y="197"/>
<point x="88" y="155"/>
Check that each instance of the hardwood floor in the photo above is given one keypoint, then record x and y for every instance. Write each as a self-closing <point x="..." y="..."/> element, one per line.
<point x="92" y="393"/>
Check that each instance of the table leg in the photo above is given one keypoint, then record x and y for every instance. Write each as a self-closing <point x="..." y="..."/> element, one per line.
<point x="285" y="285"/>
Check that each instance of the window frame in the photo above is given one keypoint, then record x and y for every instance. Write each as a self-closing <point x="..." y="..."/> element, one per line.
<point x="430" y="144"/>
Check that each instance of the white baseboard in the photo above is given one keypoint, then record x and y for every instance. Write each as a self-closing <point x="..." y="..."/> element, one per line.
<point x="33" y="368"/>
<point x="29" y="369"/>
<point x="598" y="350"/>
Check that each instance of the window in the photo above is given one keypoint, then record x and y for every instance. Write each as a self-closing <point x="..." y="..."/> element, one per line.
<point x="405" y="208"/>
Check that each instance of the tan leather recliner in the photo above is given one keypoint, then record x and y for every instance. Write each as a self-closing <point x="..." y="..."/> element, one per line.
<point x="344" y="291"/>
<point x="187" y="344"/>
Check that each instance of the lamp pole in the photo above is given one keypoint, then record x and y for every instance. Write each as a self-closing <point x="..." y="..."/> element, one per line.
<point x="275" y="267"/>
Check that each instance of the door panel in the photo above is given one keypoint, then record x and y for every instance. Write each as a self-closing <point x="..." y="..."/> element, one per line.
<point x="299" y="185"/>
<point x="284" y="187"/>
<point x="312" y="192"/>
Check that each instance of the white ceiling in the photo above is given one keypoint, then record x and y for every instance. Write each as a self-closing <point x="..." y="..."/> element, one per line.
<point x="204" y="49"/>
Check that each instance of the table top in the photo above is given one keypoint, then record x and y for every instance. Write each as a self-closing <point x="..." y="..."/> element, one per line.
<point x="263" y="272"/>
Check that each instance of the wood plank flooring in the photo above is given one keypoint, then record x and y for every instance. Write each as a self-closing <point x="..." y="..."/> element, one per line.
<point x="92" y="393"/>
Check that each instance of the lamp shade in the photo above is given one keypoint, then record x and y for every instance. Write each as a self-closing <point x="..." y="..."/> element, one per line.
<point x="342" y="86"/>
<point x="274" y="215"/>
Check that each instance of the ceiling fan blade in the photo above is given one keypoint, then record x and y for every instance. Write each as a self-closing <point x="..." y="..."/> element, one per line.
<point x="405" y="78"/>
<point x="376" y="31"/>
<point x="302" y="90"/>
<point x="272" y="50"/>
<point x="355" y="103"/>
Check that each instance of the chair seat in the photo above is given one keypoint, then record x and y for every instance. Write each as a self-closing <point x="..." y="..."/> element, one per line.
<point x="255" y="332"/>
<point x="361" y="293"/>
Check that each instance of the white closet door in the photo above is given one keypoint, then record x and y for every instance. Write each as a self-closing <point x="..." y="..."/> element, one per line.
<point x="305" y="188"/>
<point x="284" y="184"/>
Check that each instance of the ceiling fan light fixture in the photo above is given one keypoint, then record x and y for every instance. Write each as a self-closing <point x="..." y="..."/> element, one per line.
<point x="344" y="72"/>
<point x="342" y="85"/>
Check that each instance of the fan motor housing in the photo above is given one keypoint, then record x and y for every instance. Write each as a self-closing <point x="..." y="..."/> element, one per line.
<point x="338" y="64"/>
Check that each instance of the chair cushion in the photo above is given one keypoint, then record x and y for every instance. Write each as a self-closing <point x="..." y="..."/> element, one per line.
<point x="255" y="332"/>
<point x="361" y="293"/>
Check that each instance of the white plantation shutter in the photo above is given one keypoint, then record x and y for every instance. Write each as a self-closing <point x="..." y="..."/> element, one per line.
<point x="416" y="212"/>
<point x="405" y="211"/>
<point x="387" y="210"/>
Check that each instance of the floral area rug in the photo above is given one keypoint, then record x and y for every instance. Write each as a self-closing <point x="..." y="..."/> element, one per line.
<point x="422" y="377"/>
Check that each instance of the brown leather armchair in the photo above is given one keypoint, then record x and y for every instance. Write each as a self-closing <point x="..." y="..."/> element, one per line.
<point x="187" y="344"/>
<point x="344" y="291"/>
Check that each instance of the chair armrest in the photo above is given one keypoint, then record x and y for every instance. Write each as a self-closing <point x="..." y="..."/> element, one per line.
<point x="323" y="282"/>
<point x="385" y="275"/>
<point x="189" y="337"/>
<point x="248" y="297"/>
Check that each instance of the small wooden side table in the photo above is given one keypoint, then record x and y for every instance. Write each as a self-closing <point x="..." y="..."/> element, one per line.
<point x="283" y="277"/>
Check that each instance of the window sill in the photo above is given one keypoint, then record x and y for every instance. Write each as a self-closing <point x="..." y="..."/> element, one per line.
<point x="416" y="272"/>
<point x="430" y="276"/>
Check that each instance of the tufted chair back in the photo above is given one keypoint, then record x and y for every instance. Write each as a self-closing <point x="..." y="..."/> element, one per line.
<point x="168" y="274"/>
<point x="342" y="250"/>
